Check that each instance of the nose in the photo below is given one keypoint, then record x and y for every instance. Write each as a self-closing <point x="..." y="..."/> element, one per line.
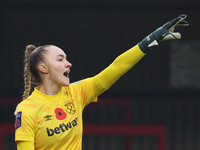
<point x="68" y="64"/>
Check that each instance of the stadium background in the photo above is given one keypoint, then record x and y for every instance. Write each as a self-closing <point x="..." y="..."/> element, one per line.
<point x="162" y="89"/>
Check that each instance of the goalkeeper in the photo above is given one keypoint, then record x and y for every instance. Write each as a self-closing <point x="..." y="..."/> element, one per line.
<point x="51" y="117"/>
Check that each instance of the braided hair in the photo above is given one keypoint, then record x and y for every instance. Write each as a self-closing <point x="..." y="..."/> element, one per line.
<point x="33" y="56"/>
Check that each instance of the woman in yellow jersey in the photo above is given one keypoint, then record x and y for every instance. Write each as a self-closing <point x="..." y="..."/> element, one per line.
<point x="51" y="117"/>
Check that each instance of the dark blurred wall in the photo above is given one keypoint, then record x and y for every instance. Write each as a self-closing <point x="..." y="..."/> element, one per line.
<point x="92" y="34"/>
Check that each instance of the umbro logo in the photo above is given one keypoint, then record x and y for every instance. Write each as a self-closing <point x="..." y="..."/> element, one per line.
<point x="48" y="117"/>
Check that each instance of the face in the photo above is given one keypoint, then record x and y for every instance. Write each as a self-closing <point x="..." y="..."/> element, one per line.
<point x="57" y="66"/>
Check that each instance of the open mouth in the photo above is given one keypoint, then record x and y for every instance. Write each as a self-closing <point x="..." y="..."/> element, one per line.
<point x="66" y="74"/>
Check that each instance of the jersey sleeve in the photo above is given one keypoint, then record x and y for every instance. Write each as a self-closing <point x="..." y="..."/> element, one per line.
<point x="84" y="89"/>
<point x="105" y="79"/>
<point x="91" y="88"/>
<point x="24" y="125"/>
<point x="25" y="146"/>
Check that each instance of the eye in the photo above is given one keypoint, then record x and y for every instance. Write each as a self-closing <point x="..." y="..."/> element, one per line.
<point x="60" y="59"/>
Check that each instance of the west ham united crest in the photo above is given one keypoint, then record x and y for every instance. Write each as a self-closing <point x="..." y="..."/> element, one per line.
<point x="69" y="108"/>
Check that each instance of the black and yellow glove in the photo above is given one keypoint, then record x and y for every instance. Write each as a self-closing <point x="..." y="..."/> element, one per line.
<point x="165" y="32"/>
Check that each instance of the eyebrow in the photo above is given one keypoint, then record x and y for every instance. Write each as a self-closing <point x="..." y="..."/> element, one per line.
<point x="61" y="55"/>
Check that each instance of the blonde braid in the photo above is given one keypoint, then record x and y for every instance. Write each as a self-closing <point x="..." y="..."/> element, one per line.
<point x="27" y="74"/>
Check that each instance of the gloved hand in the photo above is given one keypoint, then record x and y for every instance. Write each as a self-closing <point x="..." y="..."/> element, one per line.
<point x="165" y="32"/>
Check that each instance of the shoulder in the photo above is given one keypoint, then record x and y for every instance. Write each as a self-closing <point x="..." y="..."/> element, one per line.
<point x="76" y="82"/>
<point x="28" y="107"/>
<point x="83" y="82"/>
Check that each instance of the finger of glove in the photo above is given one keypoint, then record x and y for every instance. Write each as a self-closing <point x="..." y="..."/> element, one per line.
<point x="172" y="36"/>
<point x="181" y="22"/>
<point x="180" y="19"/>
<point x="175" y="22"/>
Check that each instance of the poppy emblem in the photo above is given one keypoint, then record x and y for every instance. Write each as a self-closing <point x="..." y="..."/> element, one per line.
<point x="60" y="114"/>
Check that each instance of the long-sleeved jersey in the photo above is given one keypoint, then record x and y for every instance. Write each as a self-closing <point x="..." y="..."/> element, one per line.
<point x="55" y="122"/>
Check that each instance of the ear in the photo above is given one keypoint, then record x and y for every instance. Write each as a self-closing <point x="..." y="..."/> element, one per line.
<point x="43" y="69"/>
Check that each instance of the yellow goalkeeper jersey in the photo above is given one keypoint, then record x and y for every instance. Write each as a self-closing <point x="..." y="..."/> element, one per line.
<point x="54" y="122"/>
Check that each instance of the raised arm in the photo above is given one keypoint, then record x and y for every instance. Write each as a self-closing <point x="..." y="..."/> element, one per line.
<point x="114" y="71"/>
<point x="128" y="59"/>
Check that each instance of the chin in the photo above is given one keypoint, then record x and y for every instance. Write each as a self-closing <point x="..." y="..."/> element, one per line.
<point x="67" y="84"/>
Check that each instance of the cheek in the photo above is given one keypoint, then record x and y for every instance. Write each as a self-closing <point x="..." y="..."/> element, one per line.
<point x="56" y="69"/>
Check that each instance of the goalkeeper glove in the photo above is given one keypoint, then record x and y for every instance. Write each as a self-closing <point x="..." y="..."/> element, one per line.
<point x="165" y="32"/>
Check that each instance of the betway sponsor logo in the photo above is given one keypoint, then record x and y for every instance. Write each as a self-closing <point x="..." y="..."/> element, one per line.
<point x="61" y="128"/>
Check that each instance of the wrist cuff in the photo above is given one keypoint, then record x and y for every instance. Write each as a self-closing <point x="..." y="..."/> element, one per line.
<point x="148" y="43"/>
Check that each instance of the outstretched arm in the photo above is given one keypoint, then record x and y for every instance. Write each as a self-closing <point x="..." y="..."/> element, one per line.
<point x="128" y="59"/>
<point x="114" y="71"/>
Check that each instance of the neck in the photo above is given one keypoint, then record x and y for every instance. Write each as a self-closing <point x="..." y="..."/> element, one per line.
<point x="49" y="90"/>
